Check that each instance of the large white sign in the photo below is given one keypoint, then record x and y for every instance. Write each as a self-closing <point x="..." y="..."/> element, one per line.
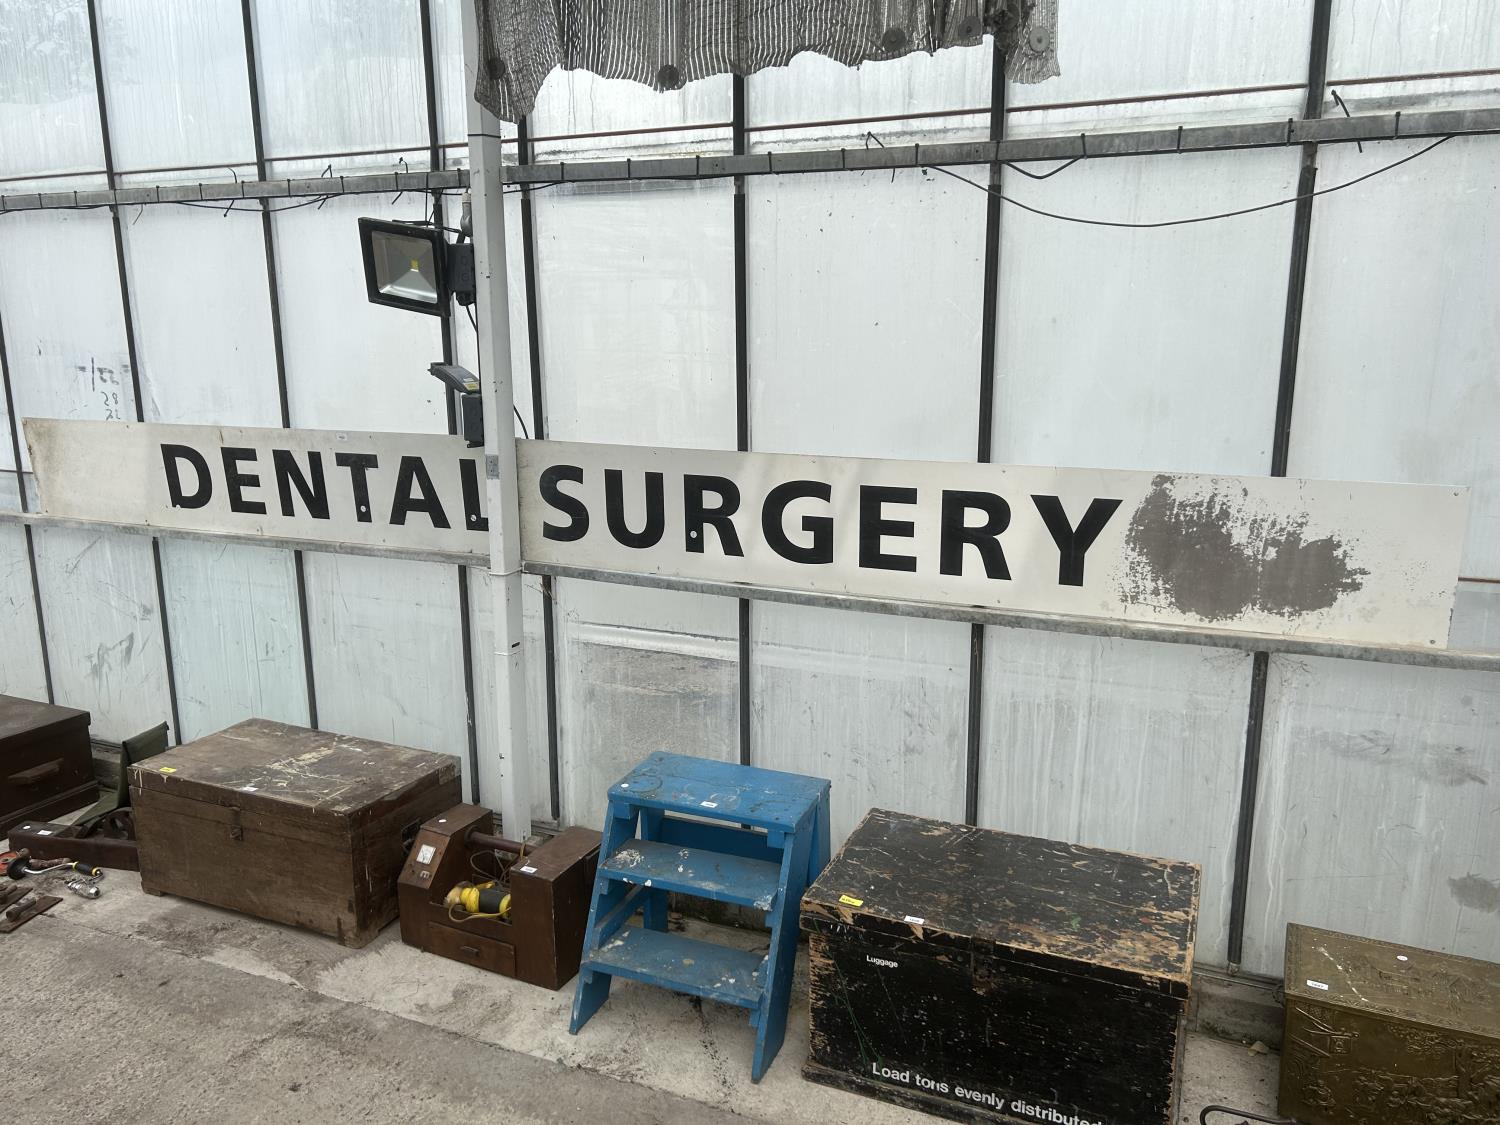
<point x="1375" y="563"/>
<point x="1358" y="562"/>
<point x="419" y="492"/>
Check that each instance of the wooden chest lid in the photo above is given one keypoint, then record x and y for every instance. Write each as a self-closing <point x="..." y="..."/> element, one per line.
<point x="296" y="773"/>
<point x="29" y="716"/>
<point x="1110" y="915"/>
<point x="1400" y="981"/>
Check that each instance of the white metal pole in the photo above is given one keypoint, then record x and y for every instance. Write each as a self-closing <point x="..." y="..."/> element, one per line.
<point x="493" y="305"/>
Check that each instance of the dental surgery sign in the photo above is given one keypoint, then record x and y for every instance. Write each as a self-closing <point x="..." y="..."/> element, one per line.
<point x="1363" y="562"/>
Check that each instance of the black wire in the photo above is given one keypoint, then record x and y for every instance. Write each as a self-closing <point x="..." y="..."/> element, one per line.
<point x="1196" y="218"/>
<point x="525" y="433"/>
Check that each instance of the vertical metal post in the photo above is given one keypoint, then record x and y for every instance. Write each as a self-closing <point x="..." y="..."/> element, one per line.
<point x="465" y="628"/>
<point x="130" y="349"/>
<point x="742" y="391"/>
<point x="486" y="186"/>
<point x="299" y="569"/>
<point x="15" y="447"/>
<point x="539" y="431"/>
<point x="1317" y="73"/>
<point x="983" y="451"/>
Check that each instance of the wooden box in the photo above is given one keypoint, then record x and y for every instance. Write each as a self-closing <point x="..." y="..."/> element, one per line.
<point x="550" y="887"/>
<point x="1387" y="1033"/>
<point x="985" y="976"/>
<point x="46" y="762"/>
<point x="297" y="826"/>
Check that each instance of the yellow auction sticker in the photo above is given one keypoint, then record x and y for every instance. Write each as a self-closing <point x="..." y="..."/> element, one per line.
<point x="850" y="900"/>
<point x="167" y="769"/>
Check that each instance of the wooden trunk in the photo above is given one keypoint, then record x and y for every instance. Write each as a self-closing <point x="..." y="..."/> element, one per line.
<point x="1377" y="1032"/>
<point x="985" y="976"/>
<point x="46" y="762"/>
<point x="297" y="826"/>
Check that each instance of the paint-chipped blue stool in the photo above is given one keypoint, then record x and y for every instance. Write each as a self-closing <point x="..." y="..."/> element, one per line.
<point x="770" y="843"/>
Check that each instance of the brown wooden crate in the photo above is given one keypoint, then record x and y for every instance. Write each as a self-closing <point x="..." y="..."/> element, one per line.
<point x="46" y="767"/>
<point x="296" y="826"/>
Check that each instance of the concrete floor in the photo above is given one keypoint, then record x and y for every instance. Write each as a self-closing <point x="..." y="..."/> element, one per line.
<point x="133" y="1008"/>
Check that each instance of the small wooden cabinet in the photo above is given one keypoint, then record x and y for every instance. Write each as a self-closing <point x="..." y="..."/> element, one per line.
<point x="986" y="976"/>
<point x="298" y="826"/>
<point x="46" y="761"/>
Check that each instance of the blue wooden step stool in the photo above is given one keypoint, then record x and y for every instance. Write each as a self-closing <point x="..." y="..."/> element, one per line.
<point x="768" y="842"/>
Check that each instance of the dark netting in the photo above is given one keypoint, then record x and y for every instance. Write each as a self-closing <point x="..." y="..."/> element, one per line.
<point x="666" y="43"/>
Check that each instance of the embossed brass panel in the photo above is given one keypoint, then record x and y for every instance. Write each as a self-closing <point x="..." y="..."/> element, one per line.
<point x="1377" y="1032"/>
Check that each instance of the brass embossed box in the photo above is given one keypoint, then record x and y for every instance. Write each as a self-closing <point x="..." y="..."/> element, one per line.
<point x="1385" y="1033"/>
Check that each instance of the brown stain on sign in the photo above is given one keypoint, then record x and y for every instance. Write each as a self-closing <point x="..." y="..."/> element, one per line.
<point x="1207" y="555"/>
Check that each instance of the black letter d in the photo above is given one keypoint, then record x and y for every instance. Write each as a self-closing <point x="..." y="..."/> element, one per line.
<point x="170" y="456"/>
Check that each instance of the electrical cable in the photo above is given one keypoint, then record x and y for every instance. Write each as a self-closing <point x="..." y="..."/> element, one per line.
<point x="1196" y="218"/>
<point x="525" y="433"/>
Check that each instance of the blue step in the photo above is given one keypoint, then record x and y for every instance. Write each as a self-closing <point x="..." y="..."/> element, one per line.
<point x="714" y="972"/>
<point x="766" y="799"/>
<point x="693" y="871"/>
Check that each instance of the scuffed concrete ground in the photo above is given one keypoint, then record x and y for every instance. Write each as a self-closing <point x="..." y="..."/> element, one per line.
<point x="160" y="1010"/>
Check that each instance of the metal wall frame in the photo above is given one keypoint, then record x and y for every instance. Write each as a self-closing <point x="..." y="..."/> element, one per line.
<point x="273" y="284"/>
<point x="1307" y="133"/>
<point x="1291" y="334"/>
<point x="128" y="312"/>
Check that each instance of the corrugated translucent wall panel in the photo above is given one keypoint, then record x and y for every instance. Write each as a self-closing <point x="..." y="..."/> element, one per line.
<point x="1144" y="349"/>
<point x="64" y="330"/>
<point x="236" y="638"/>
<point x="1377" y="811"/>
<point x="202" y="313"/>
<point x="448" y="74"/>
<point x="1397" y="375"/>
<point x="579" y="101"/>
<point x="350" y="364"/>
<point x="639" y="671"/>
<point x="876" y="704"/>
<point x="339" y="76"/>
<point x="49" y="118"/>
<point x="21" y="671"/>
<point x="865" y="302"/>
<point x="1119" y="744"/>
<point x="103" y="628"/>
<point x="1414" y="37"/>
<point x="387" y="654"/>
<point x="815" y="88"/>
<point x="203" y="339"/>
<point x="175" y="83"/>
<point x="636" y="300"/>
<point x="1108" y="52"/>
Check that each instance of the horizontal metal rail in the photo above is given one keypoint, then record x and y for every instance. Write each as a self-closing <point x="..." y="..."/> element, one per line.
<point x="1073" y="146"/>
<point x="1134" y="142"/>
<point x="1468" y="659"/>
<point x="41" y="519"/>
<point x="231" y="191"/>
